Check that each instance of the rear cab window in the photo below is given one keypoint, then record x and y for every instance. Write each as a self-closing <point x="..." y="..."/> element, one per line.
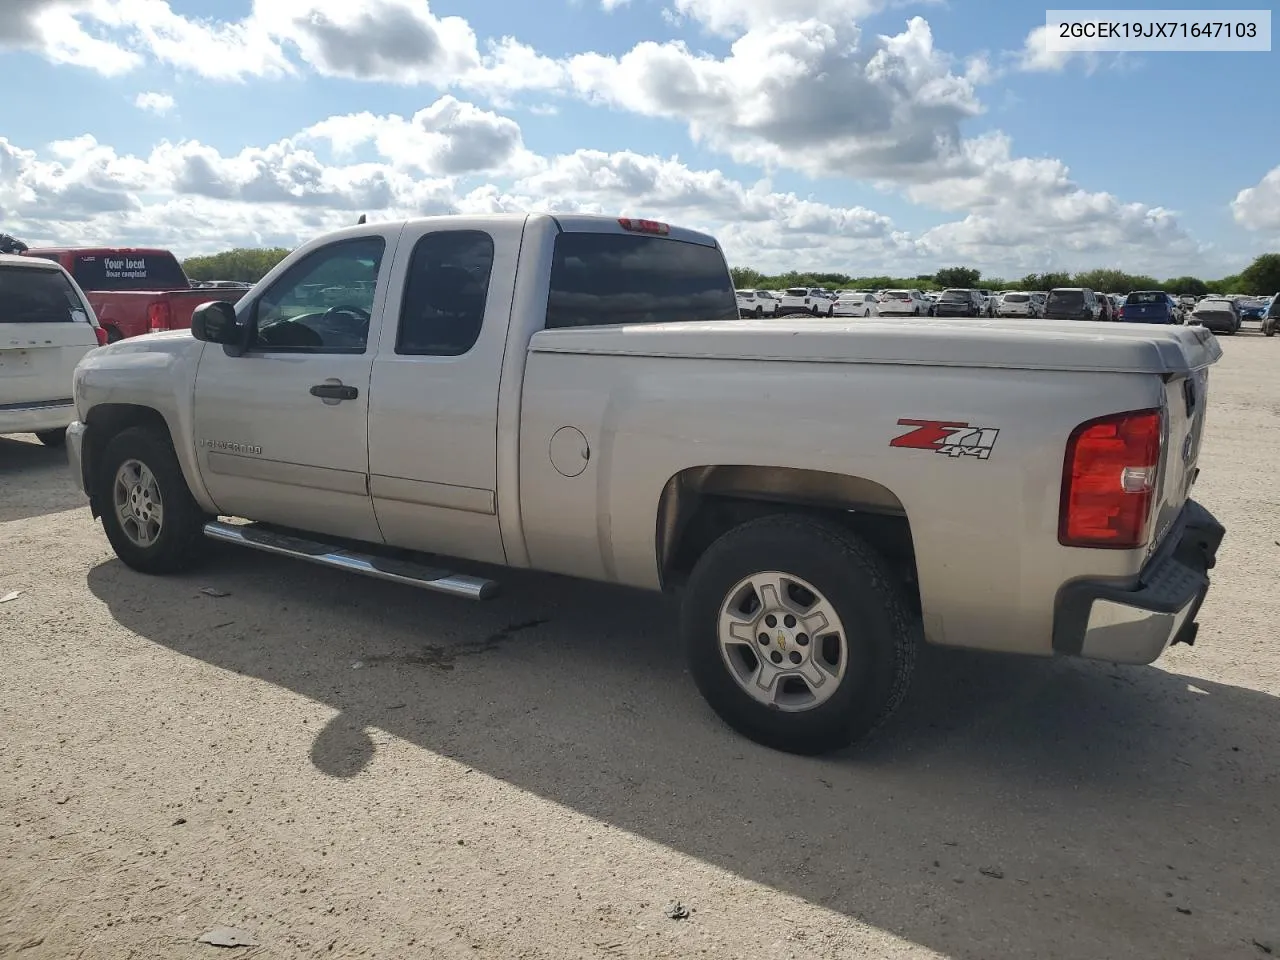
<point x="1145" y="297"/>
<point x="604" y="279"/>
<point x="38" y="295"/>
<point x="128" y="270"/>
<point x="1071" y="299"/>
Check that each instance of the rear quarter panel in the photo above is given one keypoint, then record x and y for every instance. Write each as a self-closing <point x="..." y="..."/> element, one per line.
<point x="984" y="531"/>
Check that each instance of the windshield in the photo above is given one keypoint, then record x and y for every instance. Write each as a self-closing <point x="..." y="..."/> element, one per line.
<point x="896" y="295"/>
<point x="797" y="292"/>
<point x="955" y="295"/>
<point x="1016" y="298"/>
<point x="1146" y="296"/>
<point x="30" y="295"/>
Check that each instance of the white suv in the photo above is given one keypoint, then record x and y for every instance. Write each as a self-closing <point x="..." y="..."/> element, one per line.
<point x="806" y="300"/>
<point x="46" y="327"/>
<point x="1018" y="304"/>
<point x="756" y="303"/>
<point x="904" y="303"/>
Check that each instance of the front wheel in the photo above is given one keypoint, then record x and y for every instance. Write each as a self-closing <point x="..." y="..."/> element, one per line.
<point x="148" y="513"/>
<point x="52" y="438"/>
<point x="797" y="635"/>
<point x="1269" y="328"/>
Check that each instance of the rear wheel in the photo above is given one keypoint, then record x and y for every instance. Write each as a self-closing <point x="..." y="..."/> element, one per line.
<point x="148" y="513"/>
<point x="797" y="635"/>
<point x="52" y="438"/>
<point x="759" y="312"/>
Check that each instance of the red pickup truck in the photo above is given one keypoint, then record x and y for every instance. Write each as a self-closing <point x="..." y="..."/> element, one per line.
<point x="133" y="290"/>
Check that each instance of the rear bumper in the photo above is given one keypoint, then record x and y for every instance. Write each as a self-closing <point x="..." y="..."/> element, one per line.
<point x="1102" y="621"/>
<point x="31" y="417"/>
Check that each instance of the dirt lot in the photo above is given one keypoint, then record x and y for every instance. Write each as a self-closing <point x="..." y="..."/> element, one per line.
<point x="349" y="768"/>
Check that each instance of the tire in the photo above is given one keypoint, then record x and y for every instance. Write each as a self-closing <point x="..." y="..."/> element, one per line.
<point x="53" y="438"/>
<point x="880" y="635"/>
<point x="179" y="543"/>
<point x="814" y="309"/>
<point x="759" y="312"/>
<point x="1269" y="329"/>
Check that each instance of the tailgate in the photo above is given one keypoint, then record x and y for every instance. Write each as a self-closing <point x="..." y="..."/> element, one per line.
<point x="1186" y="397"/>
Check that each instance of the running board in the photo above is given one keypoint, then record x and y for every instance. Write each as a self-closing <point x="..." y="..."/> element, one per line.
<point x="327" y="555"/>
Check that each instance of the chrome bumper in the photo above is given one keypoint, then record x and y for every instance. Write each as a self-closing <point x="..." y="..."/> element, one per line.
<point x="75" y="454"/>
<point x="1102" y="621"/>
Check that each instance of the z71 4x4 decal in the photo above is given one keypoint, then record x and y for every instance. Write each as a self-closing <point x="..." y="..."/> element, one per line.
<point x="947" y="436"/>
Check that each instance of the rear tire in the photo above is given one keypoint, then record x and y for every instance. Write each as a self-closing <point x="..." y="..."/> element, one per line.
<point x="759" y="312"/>
<point x="137" y="474"/>
<point x="52" y="438"/>
<point x="874" y="638"/>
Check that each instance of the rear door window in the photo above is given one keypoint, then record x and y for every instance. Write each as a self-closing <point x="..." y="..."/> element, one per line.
<point x="129" y="271"/>
<point x="602" y="279"/>
<point x="34" y="295"/>
<point x="445" y="294"/>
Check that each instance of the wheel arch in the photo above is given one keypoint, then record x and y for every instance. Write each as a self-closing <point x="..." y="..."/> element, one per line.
<point x="106" y="421"/>
<point x="699" y="504"/>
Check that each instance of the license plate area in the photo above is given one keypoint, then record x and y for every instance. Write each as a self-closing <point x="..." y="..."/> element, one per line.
<point x="15" y="363"/>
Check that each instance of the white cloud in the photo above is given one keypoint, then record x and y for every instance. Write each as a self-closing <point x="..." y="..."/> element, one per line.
<point x="801" y="87"/>
<point x="1258" y="207"/>
<point x="157" y="103"/>
<point x="1017" y="215"/>
<point x="52" y="29"/>
<point x="731" y="17"/>
<point x="449" y="138"/>
<point x="806" y="95"/>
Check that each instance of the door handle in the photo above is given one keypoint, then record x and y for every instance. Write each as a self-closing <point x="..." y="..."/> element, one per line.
<point x="334" y="391"/>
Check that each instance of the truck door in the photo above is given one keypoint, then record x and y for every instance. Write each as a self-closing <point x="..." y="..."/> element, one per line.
<point x="433" y="409"/>
<point x="282" y="431"/>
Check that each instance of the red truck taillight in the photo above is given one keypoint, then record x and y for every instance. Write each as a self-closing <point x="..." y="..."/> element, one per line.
<point x="1120" y="312"/>
<point x="101" y="334"/>
<point x="159" y="317"/>
<point x="1108" y="480"/>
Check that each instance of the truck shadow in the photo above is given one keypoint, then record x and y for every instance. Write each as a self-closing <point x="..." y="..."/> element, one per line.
<point x="34" y="480"/>
<point x="1016" y="808"/>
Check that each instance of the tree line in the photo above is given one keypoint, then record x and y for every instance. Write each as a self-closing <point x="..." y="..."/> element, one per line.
<point x="1262" y="277"/>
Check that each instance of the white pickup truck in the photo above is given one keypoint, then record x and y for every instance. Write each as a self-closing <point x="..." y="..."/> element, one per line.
<point x="577" y="395"/>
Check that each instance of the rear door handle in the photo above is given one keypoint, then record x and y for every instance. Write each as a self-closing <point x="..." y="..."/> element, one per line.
<point x="334" y="391"/>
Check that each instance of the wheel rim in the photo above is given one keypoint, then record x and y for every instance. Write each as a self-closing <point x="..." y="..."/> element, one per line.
<point x="783" y="642"/>
<point x="138" y="505"/>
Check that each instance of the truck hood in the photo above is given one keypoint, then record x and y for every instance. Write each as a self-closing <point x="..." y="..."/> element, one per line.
<point x="1017" y="344"/>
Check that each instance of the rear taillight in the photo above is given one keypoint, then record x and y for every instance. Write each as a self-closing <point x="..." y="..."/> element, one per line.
<point x="1108" y="480"/>
<point x="100" y="334"/>
<point x="159" y="316"/>
<point x="1120" y="312"/>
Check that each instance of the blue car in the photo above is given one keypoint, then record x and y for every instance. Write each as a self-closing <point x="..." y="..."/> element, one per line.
<point x="1254" y="311"/>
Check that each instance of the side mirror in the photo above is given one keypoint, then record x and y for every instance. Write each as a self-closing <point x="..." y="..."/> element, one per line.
<point x="215" y="322"/>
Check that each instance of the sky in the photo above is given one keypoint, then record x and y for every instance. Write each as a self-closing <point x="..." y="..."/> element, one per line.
<point x="866" y="137"/>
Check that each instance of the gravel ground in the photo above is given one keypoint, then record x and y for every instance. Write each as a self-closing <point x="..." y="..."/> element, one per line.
<point x="342" y="767"/>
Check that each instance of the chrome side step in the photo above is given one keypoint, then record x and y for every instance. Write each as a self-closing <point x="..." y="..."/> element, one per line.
<point x="327" y="555"/>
